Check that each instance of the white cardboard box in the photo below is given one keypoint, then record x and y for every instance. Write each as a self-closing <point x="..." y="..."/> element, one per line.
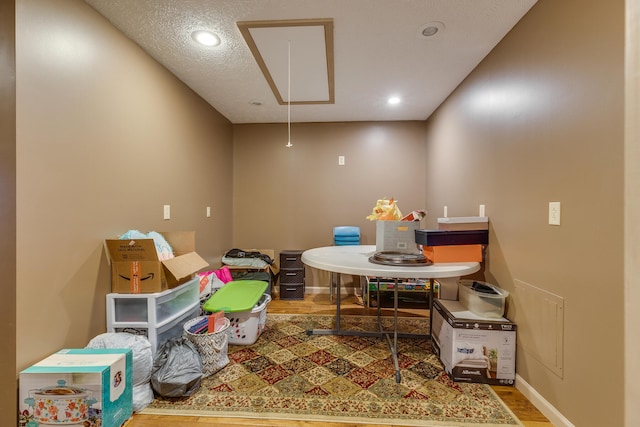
<point x="472" y="348"/>
<point x="464" y="223"/>
<point x="78" y="387"/>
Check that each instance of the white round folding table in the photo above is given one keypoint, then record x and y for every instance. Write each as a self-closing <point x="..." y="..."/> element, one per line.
<point x="355" y="260"/>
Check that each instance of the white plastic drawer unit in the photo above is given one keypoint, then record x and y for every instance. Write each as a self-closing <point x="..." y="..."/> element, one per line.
<point x="159" y="335"/>
<point x="152" y="310"/>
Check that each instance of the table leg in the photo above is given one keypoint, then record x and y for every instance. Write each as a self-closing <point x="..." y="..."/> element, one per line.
<point x="393" y="345"/>
<point x="431" y="296"/>
<point x="331" y="273"/>
<point x="339" y="280"/>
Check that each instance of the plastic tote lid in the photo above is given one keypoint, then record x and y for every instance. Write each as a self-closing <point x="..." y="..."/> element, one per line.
<point x="483" y="289"/>
<point x="237" y="295"/>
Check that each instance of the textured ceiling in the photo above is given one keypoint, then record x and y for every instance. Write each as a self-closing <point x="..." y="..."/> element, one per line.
<point x="378" y="51"/>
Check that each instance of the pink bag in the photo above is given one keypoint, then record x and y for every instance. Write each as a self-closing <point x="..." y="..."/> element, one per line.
<point x="224" y="274"/>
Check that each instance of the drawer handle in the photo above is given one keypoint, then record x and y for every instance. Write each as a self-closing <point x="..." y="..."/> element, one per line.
<point x="290" y="274"/>
<point x="290" y="259"/>
<point x="291" y="289"/>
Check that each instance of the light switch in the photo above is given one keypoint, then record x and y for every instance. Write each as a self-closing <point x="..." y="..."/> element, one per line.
<point x="554" y="213"/>
<point x="208" y="211"/>
<point x="167" y="211"/>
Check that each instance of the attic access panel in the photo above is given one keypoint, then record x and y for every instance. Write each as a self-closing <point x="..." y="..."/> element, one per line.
<point x="312" y="75"/>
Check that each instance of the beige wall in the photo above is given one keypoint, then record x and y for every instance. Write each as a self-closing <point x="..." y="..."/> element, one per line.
<point x="105" y="138"/>
<point x="541" y="119"/>
<point x="291" y="198"/>
<point x="7" y="212"/>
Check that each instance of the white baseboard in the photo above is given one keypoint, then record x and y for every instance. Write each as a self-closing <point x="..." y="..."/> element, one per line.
<point x="325" y="290"/>
<point x="547" y="409"/>
<point x="316" y="290"/>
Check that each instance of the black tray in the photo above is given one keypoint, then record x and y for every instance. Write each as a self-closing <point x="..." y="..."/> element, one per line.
<point x="449" y="237"/>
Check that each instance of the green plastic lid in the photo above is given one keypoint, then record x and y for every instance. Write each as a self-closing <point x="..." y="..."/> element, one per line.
<point x="237" y="295"/>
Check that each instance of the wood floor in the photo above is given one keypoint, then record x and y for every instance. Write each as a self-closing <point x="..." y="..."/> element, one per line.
<point x="319" y="304"/>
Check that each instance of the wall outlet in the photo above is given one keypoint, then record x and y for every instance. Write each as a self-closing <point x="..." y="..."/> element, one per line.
<point x="167" y="211"/>
<point x="341" y="160"/>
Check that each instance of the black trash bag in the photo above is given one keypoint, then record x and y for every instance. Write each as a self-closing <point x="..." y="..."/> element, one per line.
<point x="177" y="368"/>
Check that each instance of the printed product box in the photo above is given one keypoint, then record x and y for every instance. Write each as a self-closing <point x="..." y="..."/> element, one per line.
<point x="78" y="387"/>
<point x="472" y="348"/>
<point x="135" y="267"/>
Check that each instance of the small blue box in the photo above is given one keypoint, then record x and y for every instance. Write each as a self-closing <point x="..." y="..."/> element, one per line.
<point x="78" y="387"/>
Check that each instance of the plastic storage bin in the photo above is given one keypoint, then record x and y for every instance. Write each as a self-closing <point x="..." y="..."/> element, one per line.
<point x="246" y="326"/>
<point x="245" y="305"/>
<point x="237" y="295"/>
<point x="152" y="308"/>
<point x="159" y="334"/>
<point x="482" y="299"/>
<point x="158" y="316"/>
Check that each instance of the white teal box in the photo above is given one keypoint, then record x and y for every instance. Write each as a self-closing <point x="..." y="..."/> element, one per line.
<point x="78" y="387"/>
<point x="473" y="348"/>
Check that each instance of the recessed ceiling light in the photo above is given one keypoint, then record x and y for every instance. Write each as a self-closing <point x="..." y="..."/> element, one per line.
<point x="206" y="38"/>
<point x="430" y="29"/>
<point x="394" y="100"/>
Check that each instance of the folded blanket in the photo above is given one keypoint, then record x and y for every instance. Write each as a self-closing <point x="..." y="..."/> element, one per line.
<point x="245" y="262"/>
<point x="242" y="258"/>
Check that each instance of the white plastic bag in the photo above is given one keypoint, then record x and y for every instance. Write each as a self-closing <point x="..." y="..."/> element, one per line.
<point x="142" y="396"/>
<point x="141" y="347"/>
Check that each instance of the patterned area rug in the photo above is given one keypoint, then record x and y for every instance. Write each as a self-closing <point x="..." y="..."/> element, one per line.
<point x="288" y="374"/>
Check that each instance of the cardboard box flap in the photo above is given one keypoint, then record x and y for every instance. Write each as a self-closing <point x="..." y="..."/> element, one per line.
<point x="131" y="250"/>
<point x="185" y="265"/>
<point x="182" y="242"/>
